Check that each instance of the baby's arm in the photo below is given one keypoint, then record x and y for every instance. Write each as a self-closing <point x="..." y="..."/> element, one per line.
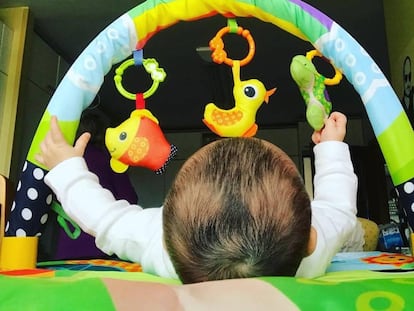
<point x="334" y="204"/>
<point x="119" y="227"/>
<point x="77" y="189"/>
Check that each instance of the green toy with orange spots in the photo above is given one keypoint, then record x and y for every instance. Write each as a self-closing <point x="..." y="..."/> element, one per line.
<point x="312" y="86"/>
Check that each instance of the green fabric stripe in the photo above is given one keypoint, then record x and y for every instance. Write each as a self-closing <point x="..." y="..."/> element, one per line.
<point x="398" y="154"/>
<point x="68" y="129"/>
<point x="376" y="294"/>
<point x="294" y="14"/>
<point x="44" y="294"/>
<point x="145" y="6"/>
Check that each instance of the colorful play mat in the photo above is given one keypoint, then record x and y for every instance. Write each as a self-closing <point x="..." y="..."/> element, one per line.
<point x="384" y="281"/>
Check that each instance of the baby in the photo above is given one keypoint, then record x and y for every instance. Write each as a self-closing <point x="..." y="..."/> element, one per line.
<point x="238" y="208"/>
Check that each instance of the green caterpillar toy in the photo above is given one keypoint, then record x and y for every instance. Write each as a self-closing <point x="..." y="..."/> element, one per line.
<point x="312" y="86"/>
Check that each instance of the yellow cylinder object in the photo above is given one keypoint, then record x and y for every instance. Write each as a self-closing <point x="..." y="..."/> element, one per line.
<point x="18" y="253"/>
<point x="412" y="243"/>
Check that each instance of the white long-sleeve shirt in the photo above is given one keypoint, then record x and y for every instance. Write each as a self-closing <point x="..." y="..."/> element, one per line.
<point x="135" y="234"/>
<point x="333" y="207"/>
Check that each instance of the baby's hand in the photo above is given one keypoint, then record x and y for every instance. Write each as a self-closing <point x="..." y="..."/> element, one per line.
<point x="334" y="129"/>
<point x="54" y="149"/>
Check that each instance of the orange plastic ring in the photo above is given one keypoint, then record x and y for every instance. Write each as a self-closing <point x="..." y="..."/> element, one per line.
<point x="219" y="55"/>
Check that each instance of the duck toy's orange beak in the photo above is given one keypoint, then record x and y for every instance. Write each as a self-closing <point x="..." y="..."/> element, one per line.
<point x="268" y="94"/>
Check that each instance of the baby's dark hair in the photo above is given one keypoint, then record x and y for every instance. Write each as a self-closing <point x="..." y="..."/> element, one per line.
<point x="238" y="208"/>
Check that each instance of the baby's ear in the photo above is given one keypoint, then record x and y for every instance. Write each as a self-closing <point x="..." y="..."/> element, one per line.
<point x="312" y="241"/>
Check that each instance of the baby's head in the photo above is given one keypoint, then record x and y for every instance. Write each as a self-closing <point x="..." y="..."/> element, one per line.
<point x="237" y="208"/>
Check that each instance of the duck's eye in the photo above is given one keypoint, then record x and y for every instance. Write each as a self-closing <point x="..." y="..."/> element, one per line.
<point x="123" y="136"/>
<point x="250" y="91"/>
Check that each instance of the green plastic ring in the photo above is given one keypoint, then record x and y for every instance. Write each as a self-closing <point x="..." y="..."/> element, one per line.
<point x="151" y="66"/>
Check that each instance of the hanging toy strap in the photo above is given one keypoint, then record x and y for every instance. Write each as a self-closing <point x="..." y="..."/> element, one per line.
<point x="139" y="101"/>
<point x="70" y="227"/>
<point x="138" y="56"/>
<point x="232" y="24"/>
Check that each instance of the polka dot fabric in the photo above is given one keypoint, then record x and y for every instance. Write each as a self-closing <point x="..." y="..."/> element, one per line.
<point x="406" y="196"/>
<point x="33" y="199"/>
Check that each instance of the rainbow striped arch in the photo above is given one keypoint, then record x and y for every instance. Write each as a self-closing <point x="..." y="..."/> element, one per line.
<point x="133" y="29"/>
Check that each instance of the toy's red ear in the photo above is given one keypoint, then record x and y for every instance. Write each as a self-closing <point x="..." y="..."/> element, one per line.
<point x="160" y="151"/>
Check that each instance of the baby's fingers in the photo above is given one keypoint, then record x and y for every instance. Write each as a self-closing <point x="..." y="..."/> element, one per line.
<point x="81" y="143"/>
<point x="55" y="132"/>
<point x="44" y="149"/>
<point x="316" y="137"/>
<point x="338" y="118"/>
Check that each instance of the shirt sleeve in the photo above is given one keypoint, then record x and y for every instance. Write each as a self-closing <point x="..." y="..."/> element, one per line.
<point x="334" y="205"/>
<point x="128" y="230"/>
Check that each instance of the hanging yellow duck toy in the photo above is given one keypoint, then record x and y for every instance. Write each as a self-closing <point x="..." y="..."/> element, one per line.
<point x="239" y="121"/>
<point x="249" y="95"/>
